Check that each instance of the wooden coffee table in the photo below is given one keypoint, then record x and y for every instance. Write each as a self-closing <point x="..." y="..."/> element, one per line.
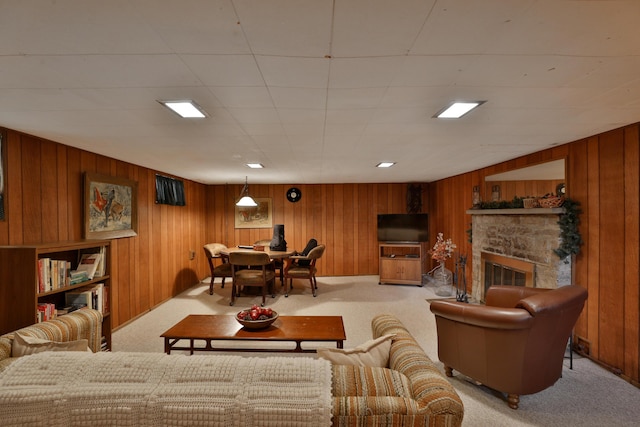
<point x="209" y="328"/>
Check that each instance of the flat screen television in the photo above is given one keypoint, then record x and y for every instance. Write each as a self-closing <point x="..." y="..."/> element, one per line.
<point x="403" y="227"/>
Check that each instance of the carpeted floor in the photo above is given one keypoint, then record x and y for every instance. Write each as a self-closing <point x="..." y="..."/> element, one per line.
<point x="585" y="396"/>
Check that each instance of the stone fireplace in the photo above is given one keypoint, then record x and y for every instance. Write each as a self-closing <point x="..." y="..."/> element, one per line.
<point x="515" y="247"/>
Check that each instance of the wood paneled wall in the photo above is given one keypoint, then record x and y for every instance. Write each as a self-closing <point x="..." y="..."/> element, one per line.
<point x="43" y="196"/>
<point x="603" y="175"/>
<point x="342" y="216"/>
<point x="44" y="204"/>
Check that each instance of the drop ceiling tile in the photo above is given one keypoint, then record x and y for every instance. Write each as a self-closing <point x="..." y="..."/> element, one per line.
<point x="353" y="73"/>
<point x="370" y="28"/>
<point x="285" y="28"/>
<point x="301" y="72"/>
<point x="286" y="97"/>
<point x="194" y="26"/>
<point x="225" y="70"/>
<point x="354" y="98"/>
<point x="243" y="97"/>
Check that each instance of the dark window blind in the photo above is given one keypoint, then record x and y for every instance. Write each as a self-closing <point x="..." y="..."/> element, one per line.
<point x="169" y="191"/>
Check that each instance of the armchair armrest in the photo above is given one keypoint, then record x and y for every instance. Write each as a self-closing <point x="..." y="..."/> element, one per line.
<point x="482" y="315"/>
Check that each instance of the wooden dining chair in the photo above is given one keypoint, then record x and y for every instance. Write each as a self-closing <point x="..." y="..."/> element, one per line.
<point x="278" y="263"/>
<point x="251" y="268"/>
<point x="213" y="253"/>
<point x="303" y="267"/>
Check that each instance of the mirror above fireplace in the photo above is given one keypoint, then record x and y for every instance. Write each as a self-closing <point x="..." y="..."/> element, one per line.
<point x="531" y="181"/>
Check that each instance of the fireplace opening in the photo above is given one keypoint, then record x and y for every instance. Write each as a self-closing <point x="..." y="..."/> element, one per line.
<point x="502" y="270"/>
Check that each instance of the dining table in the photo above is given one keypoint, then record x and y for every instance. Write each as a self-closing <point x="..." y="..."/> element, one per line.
<point x="273" y="255"/>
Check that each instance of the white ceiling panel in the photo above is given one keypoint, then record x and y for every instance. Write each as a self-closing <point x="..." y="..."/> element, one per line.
<point x="353" y="82"/>
<point x="300" y="28"/>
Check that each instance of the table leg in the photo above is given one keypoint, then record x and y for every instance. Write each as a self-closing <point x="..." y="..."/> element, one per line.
<point x="339" y="344"/>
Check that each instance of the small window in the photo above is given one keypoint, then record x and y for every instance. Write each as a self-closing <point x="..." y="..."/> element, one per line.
<point x="169" y="191"/>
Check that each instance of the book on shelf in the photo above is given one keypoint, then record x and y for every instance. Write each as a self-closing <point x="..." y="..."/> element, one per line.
<point x="89" y="263"/>
<point x="52" y="274"/>
<point x="73" y="307"/>
<point x="41" y="282"/>
<point x="92" y="296"/>
<point x="101" y="269"/>
<point x="76" y="277"/>
<point x="46" y="311"/>
<point x="103" y="344"/>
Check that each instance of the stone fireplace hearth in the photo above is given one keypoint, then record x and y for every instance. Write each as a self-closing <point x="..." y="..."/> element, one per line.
<point x="526" y="236"/>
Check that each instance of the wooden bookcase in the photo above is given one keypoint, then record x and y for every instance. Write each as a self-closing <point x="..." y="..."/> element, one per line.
<point x="401" y="263"/>
<point x="19" y="293"/>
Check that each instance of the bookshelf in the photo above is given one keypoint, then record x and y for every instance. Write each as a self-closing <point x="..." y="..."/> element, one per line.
<point x="20" y="286"/>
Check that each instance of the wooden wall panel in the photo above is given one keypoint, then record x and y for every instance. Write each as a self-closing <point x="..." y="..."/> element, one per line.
<point x="602" y="174"/>
<point x="577" y="187"/>
<point x="44" y="191"/>
<point x="611" y="317"/>
<point x="342" y="216"/>
<point x="632" y="250"/>
<point x="31" y="191"/>
<point x="591" y="218"/>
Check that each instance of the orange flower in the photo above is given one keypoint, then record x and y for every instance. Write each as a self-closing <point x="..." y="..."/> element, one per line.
<point x="443" y="249"/>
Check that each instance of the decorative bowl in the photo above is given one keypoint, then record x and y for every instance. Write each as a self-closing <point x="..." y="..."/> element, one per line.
<point x="257" y="324"/>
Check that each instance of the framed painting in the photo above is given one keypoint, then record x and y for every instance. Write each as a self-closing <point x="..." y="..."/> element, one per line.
<point x="110" y="207"/>
<point x="255" y="217"/>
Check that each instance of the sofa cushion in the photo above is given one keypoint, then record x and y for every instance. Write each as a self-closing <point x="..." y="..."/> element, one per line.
<point x="350" y="380"/>
<point x="371" y="353"/>
<point x="24" y="345"/>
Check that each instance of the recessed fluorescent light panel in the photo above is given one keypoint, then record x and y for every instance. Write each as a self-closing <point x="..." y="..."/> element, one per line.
<point x="255" y="165"/>
<point x="458" y="109"/>
<point x="186" y="108"/>
<point x="385" y="164"/>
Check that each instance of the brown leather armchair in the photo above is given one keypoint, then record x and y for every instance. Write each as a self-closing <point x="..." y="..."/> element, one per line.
<point x="515" y="343"/>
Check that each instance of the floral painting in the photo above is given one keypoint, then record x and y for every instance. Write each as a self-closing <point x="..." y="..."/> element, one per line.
<point x="110" y="207"/>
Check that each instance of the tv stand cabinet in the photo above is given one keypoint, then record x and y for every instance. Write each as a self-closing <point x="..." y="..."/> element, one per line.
<point x="401" y="263"/>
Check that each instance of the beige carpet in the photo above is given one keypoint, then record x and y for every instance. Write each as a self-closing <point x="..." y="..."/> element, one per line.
<point x="585" y="396"/>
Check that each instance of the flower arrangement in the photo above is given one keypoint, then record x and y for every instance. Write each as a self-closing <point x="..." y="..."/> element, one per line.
<point x="443" y="249"/>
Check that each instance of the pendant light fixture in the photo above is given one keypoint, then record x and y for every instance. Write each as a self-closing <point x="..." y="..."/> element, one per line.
<point x="245" y="199"/>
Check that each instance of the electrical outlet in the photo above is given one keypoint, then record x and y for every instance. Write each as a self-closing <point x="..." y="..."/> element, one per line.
<point x="192" y="255"/>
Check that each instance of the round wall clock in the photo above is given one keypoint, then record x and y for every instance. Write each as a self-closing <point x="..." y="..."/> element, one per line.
<point x="294" y="194"/>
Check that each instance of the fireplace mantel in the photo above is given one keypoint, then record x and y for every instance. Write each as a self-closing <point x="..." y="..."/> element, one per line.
<point x="533" y="211"/>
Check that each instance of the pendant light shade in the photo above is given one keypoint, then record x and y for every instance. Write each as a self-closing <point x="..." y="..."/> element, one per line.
<point x="245" y="199"/>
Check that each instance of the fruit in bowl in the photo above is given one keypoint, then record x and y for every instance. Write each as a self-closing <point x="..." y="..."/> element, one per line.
<point x="257" y="317"/>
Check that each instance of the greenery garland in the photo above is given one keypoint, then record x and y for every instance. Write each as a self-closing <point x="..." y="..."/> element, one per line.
<point x="571" y="240"/>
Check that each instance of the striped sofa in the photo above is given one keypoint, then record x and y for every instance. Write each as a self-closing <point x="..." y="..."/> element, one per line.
<point x="410" y="392"/>
<point x="80" y="324"/>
